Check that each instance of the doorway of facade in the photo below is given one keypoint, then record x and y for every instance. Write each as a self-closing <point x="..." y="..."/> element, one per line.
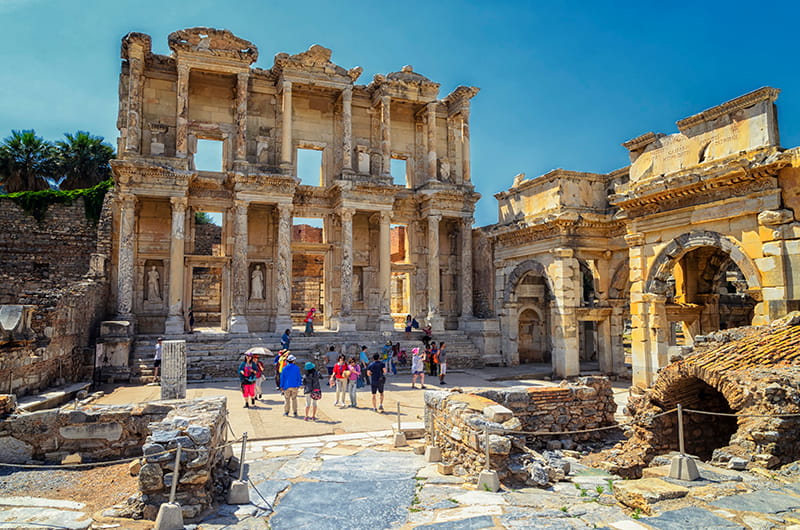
<point x="588" y="344"/>
<point x="308" y="287"/>
<point x="207" y="297"/>
<point x="532" y="338"/>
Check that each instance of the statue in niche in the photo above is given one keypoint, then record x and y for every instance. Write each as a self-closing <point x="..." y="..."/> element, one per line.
<point x="358" y="295"/>
<point x="257" y="284"/>
<point x="153" y="285"/>
<point x="444" y="171"/>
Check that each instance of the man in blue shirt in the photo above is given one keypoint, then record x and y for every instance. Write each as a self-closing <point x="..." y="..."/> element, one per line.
<point x="377" y="374"/>
<point x="291" y="381"/>
<point x="286" y="339"/>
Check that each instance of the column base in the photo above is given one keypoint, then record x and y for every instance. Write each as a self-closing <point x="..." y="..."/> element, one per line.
<point x="282" y="323"/>
<point x="466" y="323"/>
<point x="343" y="323"/>
<point x="385" y="323"/>
<point x="174" y="325"/>
<point x="238" y="324"/>
<point x="436" y="322"/>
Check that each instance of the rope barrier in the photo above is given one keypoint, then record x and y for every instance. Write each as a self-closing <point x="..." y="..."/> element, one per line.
<point x="728" y="414"/>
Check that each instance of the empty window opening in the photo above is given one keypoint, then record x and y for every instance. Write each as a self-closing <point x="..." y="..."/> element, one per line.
<point x="209" y="155"/>
<point x="307" y="230"/>
<point x="208" y="233"/>
<point x="207" y="296"/>
<point x="398" y="168"/>
<point x="399" y="244"/>
<point x="309" y="166"/>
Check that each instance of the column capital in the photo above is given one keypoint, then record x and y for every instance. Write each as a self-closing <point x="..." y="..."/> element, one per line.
<point x="241" y="204"/>
<point x="634" y="239"/>
<point x="434" y="217"/>
<point x="563" y="252"/>
<point x="179" y="203"/>
<point x="385" y="217"/>
<point x="347" y="92"/>
<point x="285" y="209"/>
<point x="183" y="69"/>
<point x="126" y="198"/>
<point x="467" y="222"/>
<point x="286" y="86"/>
<point x="347" y="213"/>
<point x="243" y="77"/>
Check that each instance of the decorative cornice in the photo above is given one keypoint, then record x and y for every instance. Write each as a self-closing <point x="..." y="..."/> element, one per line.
<point x="317" y="57"/>
<point x="640" y="142"/>
<point x="213" y="42"/>
<point x="742" y="102"/>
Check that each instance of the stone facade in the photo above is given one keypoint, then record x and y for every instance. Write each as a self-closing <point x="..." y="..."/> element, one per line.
<point x="699" y="233"/>
<point x="207" y="90"/>
<point x="54" y="294"/>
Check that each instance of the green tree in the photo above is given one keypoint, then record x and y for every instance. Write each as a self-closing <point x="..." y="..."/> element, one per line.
<point x="83" y="160"/>
<point x="25" y="160"/>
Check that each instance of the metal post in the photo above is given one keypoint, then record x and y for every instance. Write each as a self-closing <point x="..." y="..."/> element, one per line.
<point x="241" y="460"/>
<point x="175" y="475"/>
<point x="398" y="416"/>
<point x="486" y="443"/>
<point x="680" y="429"/>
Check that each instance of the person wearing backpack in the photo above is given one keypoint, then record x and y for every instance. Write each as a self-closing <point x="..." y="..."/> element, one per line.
<point x="290" y="384"/>
<point x="312" y="390"/>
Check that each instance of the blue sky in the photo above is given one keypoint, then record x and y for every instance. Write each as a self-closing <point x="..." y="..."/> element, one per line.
<point x="563" y="84"/>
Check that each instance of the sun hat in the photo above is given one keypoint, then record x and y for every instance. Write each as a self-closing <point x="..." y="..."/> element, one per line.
<point x="310" y="366"/>
<point x="291" y="358"/>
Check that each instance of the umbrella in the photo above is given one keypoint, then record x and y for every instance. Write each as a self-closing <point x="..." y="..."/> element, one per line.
<point x="258" y="350"/>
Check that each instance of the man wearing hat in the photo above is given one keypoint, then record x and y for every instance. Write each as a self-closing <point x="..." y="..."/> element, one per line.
<point x="291" y="380"/>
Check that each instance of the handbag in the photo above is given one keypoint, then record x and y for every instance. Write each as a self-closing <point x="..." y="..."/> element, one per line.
<point x="316" y="394"/>
<point x="360" y="382"/>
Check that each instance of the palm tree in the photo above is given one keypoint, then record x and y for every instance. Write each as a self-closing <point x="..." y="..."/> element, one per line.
<point x="25" y="159"/>
<point x="83" y="160"/>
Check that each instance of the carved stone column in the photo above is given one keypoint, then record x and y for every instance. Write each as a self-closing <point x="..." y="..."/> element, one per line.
<point x="283" y="294"/>
<point x="432" y="158"/>
<point x="239" y="272"/>
<point x="386" y="137"/>
<point x="347" y="126"/>
<point x="127" y="237"/>
<point x="344" y="321"/>
<point x="175" y="322"/>
<point x="242" y="80"/>
<point x="641" y="349"/>
<point x="434" y="319"/>
<point x="385" y="322"/>
<point x="286" y="126"/>
<point x="133" y="136"/>
<point x="182" y="121"/>
<point x="565" y="275"/>
<point x="616" y="330"/>
<point x="173" y="369"/>
<point x="466" y="271"/>
<point x="465" y="164"/>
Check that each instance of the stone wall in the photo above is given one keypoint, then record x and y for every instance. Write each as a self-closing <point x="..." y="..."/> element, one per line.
<point x="58" y="266"/>
<point x="456" y="423"/>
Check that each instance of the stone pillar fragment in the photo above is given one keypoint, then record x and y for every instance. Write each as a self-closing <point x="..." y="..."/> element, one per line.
<point x="175" y="321"/>
<point x="466" y="270"/>
<point x="182" y="122"/>
<point x="385" y="322"/>
<point x="286" y="126"/>
<point x="283" y="264"/>
<point x="642" y="350"/>
<point x="173" y="369"/>
<point x="133" y="137"/>
<point x="565" y="274"/>
<point x="465" y="156"/>
<point x="432" y="157"/>
<point x="239" y="270"/>
<point x="616" y="330"/>
<point x="344" y="321"/>
<point x="127" y="236"/>
<point x="386" y="137"/>
<point x="242" y="80"/>
<point x="347" y="126"/>
<point x="434" y="318"/>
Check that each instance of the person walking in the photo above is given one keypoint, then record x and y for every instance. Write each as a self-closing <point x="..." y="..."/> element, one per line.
<point x="259" y="375"/>
<point x="157" y="360"/>
<point x="363" y="358"/>
<point x="417" y="367"/>
<point x="247" y="379"/>
<point x="286" y="339"/>
<point x="354" y="369"/>
<point x="309" y="320"/>
<point x="312" y="390"/>
<point x="442" y="363"/>
<point x="290" y="384"/>
<point x="331" y="357"/>
<point x="339" y="379"/>
<point x="433" y="358"/>
<point x="377" y="374"/>
<point x="387" y="353"/>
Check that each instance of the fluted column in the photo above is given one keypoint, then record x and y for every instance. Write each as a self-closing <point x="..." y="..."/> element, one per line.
<point x="286" y="125"/>
<point x="432" y="158"/>
<point x="386" y="136"/>
<point x="283" y="293"/>
<point x="133" y="137"/>
<point x="385" y="322"/>
<point x="466" y="269"/>
<point x="239" y="272"/>
<point x="434" y="319"/>
<point x="465" y="164"/>
<point x="344" y="321"/>
<point x="347" y="126"/>
<point x="182" y="122"/>
<point x="127" y="237"/>
<point x="175" y="321"/>
<point x="242" y="80"/>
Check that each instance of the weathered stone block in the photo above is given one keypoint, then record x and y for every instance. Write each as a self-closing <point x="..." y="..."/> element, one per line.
<point x="497" y="413"/>
<point x="92" y="431"/>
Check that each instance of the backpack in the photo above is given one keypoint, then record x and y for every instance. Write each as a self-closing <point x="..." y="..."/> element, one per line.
<point x="414" y="323"/>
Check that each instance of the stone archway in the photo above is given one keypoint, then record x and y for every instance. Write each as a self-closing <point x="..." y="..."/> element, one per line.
<point x="519" y="272"/>
<point x="527" y="286"/>
<point x="532" y="337"/>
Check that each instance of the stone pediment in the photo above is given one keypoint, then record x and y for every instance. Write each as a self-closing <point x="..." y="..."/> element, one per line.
<point x="213" y="42"/>
<point x="405" y="84"/>
<point x="316" y="59"/>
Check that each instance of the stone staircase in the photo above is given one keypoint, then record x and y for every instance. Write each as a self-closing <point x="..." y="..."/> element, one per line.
<point x="214" y="356"/>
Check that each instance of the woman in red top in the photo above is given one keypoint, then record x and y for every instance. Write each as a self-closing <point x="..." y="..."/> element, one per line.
<point x="340" y="378"/>
<point x="309" y="320"/>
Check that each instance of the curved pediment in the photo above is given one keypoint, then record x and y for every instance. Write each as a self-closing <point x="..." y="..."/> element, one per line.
<point x="215" y="42"/>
